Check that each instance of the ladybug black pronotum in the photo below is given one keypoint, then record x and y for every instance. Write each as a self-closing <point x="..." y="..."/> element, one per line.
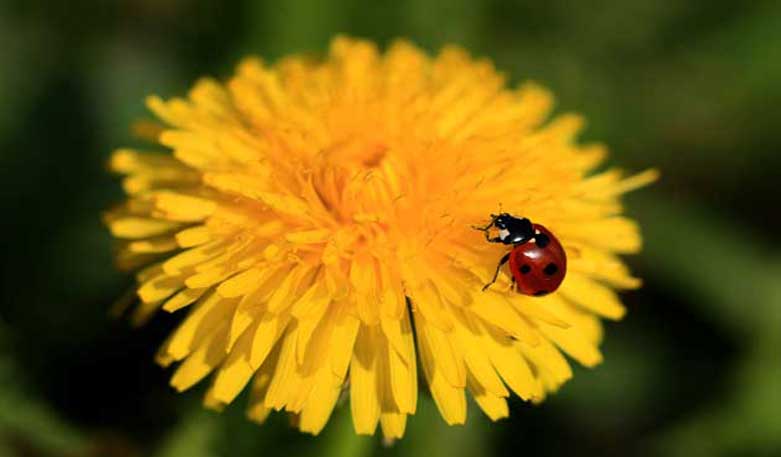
<point x="538" y="262"/>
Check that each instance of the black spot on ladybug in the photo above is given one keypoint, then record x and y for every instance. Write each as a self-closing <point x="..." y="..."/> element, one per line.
<point x="542" y="240"/>
<point x="540" y="293"/>
<point x="550" y="269"/>
<point x="525" y="269"/>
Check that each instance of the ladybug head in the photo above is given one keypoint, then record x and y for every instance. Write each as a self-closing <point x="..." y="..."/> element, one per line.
<point x="512" y="230"/>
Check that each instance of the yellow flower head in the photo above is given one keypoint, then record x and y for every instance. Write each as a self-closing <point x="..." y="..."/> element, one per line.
<point x="315" y="216"/>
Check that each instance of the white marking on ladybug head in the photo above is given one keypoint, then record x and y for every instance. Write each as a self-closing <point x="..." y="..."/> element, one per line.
<point x="503" y="234"/>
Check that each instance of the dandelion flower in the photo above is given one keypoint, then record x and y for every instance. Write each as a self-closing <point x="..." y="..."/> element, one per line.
<point x="313" y="221"/>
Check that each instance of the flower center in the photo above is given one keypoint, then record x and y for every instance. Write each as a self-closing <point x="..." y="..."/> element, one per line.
<point x="351" y="184"/>
<point x="366" y="153"/>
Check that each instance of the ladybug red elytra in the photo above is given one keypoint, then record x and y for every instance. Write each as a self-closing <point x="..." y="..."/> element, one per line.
<point x="538" y="262"/>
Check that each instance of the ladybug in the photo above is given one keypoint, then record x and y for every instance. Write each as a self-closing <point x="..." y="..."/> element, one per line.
<point x="538" y="262"/>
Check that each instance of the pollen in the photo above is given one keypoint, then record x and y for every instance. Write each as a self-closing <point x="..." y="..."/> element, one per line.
<point x="311" y="222"/>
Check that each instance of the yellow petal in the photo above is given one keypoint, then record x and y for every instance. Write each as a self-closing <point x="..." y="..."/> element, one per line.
<point x="496" y="310"/>
<point x="308" y="236"/>
<point x="257" y="411"/>
<point x="153" y="245"/>
<point x="313" y="339"/>
<point x="201" y="362"/>
<point x="592" y="296"/>
<point x="478" y="364"/>
<point x="241" y="284"/>
<point x="138" y="227"/>
<point x="269" y="330"/>
<point x="393" y="425"/>
<point x="512" y="367"/>
<point x="236" y="371"/>
<point x="144" y="312"/>
<point x="183" y="208"/>
<point x="193" y="236"/>
<point x="322" y="399"/>
<point x="343" y="343"/>
<point x="598" y="264"/>
<point x="159" y="287"/>
<point x="447" y="360"/>
<point x="392" y="299"/>
<point x="286" y="380"/>
<point x="364" y="395"/>
<point x="207" y="278"/>
<point x="192" y="257"/>
<point x="313" y="300"/>
<point x="363" y="278"/>
<point x="402" y="367"/>
<point x="130" y="161"/>
<point x="548" y="361"/>
<point x="208" y="314"/>
<point x="427" y="302"/>
<point x="495" y="407"/>
<point x="184" y="298"/>
<point x="624" y="234"/>
<point x="450" y="399"/>
<point x="287" y="292"/>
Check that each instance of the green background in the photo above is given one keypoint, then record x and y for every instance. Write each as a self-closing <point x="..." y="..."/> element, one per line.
<point x="693" y="88"/>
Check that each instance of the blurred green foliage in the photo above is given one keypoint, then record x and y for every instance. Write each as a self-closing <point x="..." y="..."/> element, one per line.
<point x="690" y="87"/>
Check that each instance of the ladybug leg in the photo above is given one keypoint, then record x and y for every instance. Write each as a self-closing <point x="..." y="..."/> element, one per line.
<point x="496" y="273"/>
<point x="486" y="230"/>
